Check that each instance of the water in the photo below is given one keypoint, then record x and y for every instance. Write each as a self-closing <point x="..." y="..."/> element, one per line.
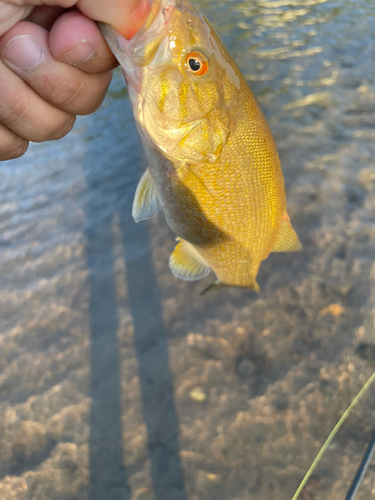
<point x="118" y="381"/>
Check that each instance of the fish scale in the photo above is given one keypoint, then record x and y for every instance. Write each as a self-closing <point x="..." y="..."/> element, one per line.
<point x="213" y="167"/>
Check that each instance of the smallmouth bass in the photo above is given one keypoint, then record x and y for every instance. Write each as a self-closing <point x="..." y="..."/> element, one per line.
<point x="213" y="166"/>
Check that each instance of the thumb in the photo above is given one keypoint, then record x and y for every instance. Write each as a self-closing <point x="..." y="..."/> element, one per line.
<point x="125" y="16"/>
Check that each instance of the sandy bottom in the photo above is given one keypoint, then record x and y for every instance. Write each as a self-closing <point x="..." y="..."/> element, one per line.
<point x="118" y="381"/>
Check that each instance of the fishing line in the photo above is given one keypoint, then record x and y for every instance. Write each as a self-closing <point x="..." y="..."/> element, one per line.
<point x="355" y="401"/>
<point x="361" y="470"/>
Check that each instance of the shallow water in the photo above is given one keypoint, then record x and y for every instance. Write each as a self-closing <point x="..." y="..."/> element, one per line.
<point x="118" y="381"/>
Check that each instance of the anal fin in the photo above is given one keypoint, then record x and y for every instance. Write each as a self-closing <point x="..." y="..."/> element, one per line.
<point x="146" y="204"/>
<point x="286" y="239"/>
<point x="186" y="263"/>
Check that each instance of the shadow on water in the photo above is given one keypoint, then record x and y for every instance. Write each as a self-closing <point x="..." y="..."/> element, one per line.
<point x="107" y="473"/>
<point x="111" y="178"/>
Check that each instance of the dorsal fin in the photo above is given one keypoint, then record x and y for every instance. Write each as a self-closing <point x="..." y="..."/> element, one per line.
<point x="186" y="263"/>
<point x="146" y="204"/>
<point x="286" y="239"/>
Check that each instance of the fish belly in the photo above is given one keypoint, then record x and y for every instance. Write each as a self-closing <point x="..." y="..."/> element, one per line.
<point x="230" y="210"/>
<point x="242" y="196"/>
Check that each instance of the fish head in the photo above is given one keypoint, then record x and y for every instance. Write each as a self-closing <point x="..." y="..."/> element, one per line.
<point x="181" y="80"/>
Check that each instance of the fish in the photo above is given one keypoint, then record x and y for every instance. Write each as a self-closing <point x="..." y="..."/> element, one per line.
<point x="213" y="167"/>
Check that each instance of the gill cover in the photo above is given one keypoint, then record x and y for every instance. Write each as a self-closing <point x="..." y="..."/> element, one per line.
<point x="179" y="81"/>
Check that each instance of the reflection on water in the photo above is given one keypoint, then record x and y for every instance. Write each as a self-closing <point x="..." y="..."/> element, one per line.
<point x="102" y="350"/>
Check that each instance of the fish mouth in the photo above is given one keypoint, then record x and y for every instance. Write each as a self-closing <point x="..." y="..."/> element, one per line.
<point x="142" y="48"/>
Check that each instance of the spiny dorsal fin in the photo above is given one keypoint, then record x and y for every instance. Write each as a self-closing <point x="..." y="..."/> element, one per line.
<point x="146" y="204"/>
<point x="286" y="239"/>
<point x="186" y="264"/>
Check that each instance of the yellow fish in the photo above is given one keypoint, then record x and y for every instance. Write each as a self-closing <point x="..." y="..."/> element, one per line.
<point x="213" y="166"/>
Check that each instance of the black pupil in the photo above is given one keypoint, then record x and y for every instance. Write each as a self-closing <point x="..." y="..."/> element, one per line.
<point x="194" y="64"/>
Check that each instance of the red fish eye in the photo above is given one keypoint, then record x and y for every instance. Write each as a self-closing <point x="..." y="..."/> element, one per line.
<point x="197" y="63"/>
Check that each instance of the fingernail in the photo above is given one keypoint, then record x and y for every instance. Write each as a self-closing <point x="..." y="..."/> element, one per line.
<point x="25" y="52"/>
<point x="82" y="53"/>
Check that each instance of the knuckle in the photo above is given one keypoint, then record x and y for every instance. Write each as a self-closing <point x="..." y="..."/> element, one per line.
<point x="68" y="95"/>
<point x="93" y="104"/>
<point x="99" y="95"/>
<point x="12" y="146"/>
<point x="20" y="150"/>
<point x="82" y="95"/>
<point x="67" y="126"/>
<point x="59" y="129"/>
<point x="15" y="109"/>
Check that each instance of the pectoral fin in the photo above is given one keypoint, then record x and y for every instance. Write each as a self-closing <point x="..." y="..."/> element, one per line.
<point x="186" y="263"/>
<point x="287" y="240"/>
<point x="146" y="204"/>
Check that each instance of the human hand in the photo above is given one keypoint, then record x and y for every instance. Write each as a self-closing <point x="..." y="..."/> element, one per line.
<point x="54" y="64"/>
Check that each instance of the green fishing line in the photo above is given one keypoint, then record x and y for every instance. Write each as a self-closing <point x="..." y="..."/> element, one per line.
<point x="361" y="393"/>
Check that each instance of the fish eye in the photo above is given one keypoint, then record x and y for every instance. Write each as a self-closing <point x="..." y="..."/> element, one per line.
<point x="197" y="63"/>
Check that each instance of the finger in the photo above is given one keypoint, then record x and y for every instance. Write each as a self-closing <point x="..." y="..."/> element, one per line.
<point x="11" y="145"/>
<point x="75" y="39"/>
<point x="126" y="16"/>
<point x="45" y="16"/>
<point x="11" y="14"/>
<point x="25" y="50"/>
<point x="28" y="115"/>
